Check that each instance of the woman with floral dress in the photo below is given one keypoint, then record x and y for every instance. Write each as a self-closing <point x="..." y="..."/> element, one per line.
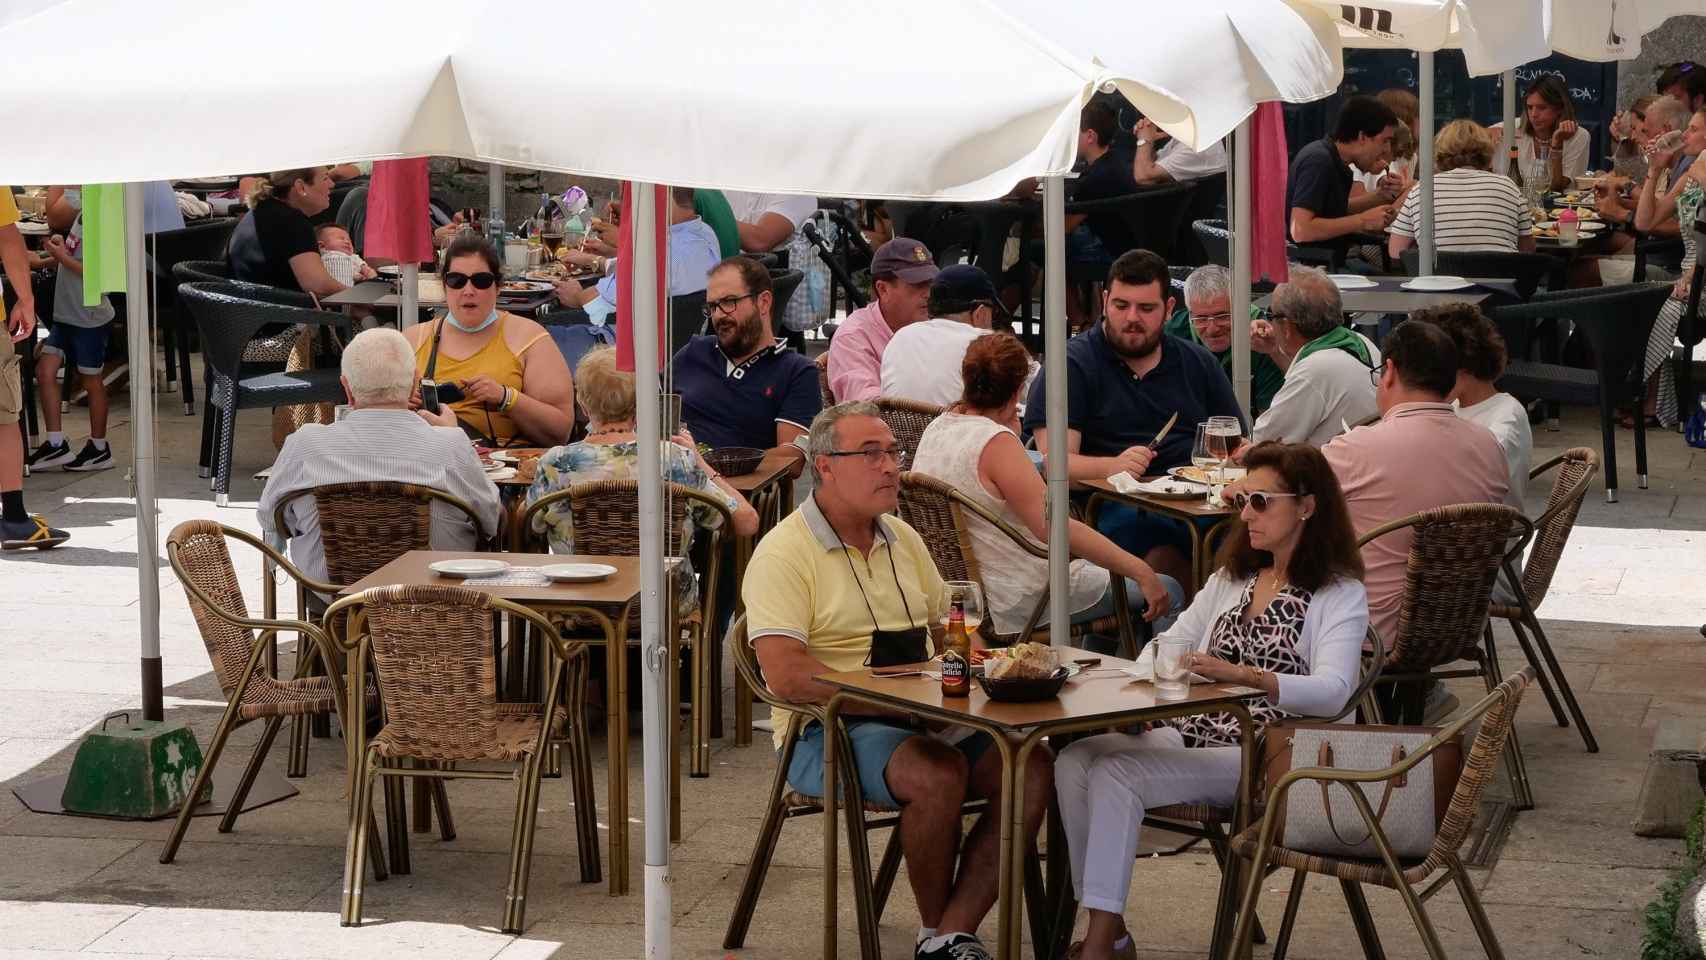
<point x="1286" y="613"/>
<point x="611" y="452"/>
<point x="1681" y="200"/>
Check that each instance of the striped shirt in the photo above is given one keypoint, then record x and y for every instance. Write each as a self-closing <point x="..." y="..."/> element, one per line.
<point x="1473" y="210"/>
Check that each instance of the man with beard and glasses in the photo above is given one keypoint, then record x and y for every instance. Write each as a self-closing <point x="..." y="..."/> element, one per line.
<point x="1125" y="379"/>
<point x="741" y="387"/>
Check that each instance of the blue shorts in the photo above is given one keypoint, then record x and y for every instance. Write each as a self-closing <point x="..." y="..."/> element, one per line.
<point x="874" y="742"/>
<point x="87" y="346"/>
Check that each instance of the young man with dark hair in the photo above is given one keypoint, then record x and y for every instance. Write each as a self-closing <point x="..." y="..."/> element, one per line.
<point x="1684" y="80"/>
<point x="1320" y="209"/>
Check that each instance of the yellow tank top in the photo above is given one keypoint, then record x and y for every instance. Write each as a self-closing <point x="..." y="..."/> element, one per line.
<point x="495" y="360"/>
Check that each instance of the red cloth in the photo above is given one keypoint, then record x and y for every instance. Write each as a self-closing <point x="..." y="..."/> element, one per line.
<point x="1268" y="171"/>
<point x="625" y="277"/>
<point x="399" y="224"/>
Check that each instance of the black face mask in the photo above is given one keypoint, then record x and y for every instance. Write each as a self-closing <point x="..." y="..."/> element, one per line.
<point x="891" y="648"/>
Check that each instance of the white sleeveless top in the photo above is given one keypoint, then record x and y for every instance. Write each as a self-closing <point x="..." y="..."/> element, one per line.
<point x="1012" y="579"/>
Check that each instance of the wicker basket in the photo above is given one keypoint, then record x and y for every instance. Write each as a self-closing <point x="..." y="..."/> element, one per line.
<point x="735" y="461"/>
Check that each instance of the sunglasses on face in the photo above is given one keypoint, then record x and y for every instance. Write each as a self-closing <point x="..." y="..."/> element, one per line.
<point x="481" y="281"/>
<point x="1260" y="500"/>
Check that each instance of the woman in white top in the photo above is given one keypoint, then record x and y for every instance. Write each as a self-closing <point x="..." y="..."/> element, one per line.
<point x="1474" y="208"/>
<point x="1549" y="124"/>
<point x="1481" y="359"/>
<point x="974" y="446"/>
<point x="1285" y="612"/>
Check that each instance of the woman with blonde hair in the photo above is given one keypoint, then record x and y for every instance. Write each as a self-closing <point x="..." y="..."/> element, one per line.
<point x="1474" y="208"/>
<point x="274" y="244"/>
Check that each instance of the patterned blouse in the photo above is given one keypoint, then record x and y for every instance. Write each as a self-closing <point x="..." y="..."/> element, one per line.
<point x="583" y="462"/>
<point x="1268" y="641"/>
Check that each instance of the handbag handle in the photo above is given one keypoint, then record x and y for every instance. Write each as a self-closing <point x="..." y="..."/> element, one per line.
<point x="1324" y="758"/>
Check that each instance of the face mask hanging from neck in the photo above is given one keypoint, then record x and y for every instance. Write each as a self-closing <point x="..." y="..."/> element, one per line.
<point x="491" y="318"/>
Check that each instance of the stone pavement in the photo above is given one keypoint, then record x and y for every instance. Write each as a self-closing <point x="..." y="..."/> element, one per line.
<point x="1568" y="882"/>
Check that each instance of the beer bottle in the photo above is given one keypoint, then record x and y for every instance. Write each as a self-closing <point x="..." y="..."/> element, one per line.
<point x="1515" y="171"/>
<point x="956" y="655"/>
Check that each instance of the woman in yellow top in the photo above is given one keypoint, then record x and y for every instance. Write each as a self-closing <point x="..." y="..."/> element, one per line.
<point x="516" y="386"/>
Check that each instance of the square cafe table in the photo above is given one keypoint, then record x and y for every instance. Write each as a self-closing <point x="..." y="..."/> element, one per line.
<point x="1100" y="698"/>
<point x="1389" y="296"/>
<point x="610" y="601"/>
<point x="1190" y="511"/>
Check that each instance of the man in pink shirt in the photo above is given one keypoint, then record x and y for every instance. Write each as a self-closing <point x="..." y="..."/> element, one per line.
<point x="901" y="271"/>
<point x="1419" y="456"/>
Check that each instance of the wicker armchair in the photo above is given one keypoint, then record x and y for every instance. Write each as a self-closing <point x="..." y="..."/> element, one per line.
<point x="907" y="419"/>
<point x="1576" y="468"/>
<point x="1496" y="713"/>
<point x="432" y="650"/>
<point x="1456" y="553"/>
<point x="607" y="522"/>
<point x="201" y="561"/>
<point x="823" y="391"/>
<point x="938" y="512"/>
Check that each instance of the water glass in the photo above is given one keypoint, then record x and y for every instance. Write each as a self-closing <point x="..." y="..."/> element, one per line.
<point x="1171" y="676"/>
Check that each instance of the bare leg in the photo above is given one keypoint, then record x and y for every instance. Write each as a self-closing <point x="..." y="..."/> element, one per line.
<point x="1104" y="931"/>
<point x="11" y="458"/>
<point x="47" y="390"/>
<point x="97" y="389"/>
<point x="928" y="777"/>
<point x="979" y="880"/>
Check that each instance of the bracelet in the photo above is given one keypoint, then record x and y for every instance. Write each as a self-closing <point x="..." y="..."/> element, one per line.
<point x="510" y="396"/>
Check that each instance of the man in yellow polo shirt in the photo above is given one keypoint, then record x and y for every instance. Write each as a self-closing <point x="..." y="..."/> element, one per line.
<point x="838" y="580"/>
<point x="18" y="529"/>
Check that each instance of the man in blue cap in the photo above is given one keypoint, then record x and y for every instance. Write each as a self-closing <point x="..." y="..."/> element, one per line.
<point x="922" y="361"/>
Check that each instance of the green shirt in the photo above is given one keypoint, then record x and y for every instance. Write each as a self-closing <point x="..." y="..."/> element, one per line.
<point x="1266" y="377"/>
<point x="714" y="209"/>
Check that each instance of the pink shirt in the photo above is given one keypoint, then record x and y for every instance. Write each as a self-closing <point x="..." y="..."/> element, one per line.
<point x="1419" y="456"/>
<point x="856" y="355"/>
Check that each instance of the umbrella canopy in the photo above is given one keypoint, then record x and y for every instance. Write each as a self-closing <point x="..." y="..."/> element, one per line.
<point x="1605" y="30"/>
<point x="968" y="96"/>
<point x="1494" y="35"/>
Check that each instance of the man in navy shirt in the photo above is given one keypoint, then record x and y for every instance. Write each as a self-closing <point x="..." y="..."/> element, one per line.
<point x="742" y="387"/>
<point x="1125" y="378"/>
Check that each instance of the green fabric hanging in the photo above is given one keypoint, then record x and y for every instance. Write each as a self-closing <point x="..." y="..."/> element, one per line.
<point x="103" y="241"/>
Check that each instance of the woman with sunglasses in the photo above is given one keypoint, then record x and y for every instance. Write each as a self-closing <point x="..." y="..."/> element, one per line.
<point x="1284" y="613"/>
<point x="516" y="387"/>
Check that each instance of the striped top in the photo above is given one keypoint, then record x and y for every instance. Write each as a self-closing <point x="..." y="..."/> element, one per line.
<point x="1473" y="210"/>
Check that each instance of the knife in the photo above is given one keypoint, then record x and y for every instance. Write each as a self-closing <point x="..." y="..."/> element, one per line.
<point x="1164" y="429"/>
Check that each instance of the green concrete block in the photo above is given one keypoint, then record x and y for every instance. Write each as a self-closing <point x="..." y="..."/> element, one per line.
<point x="134" y="770"/>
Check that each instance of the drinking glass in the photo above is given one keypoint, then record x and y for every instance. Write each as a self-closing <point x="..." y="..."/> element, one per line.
<point x="1171" y="677"/>
<point x="1223" y="434"/>
<point x="1201" y="458"/>
<point x="970" y="596"/>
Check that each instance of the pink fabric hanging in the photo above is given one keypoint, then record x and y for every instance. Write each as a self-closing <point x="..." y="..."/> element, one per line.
<point x="399" y="224"/>
<point x="625" y="277"/>
<point x="1268" y="170"/>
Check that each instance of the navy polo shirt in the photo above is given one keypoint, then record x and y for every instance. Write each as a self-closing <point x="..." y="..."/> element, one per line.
<point x="1319" y="182"/>
<point x="739" y="407"/>
<point x="1113" y="409"/>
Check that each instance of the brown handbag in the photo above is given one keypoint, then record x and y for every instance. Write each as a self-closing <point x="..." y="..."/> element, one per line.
<point x="1320" y="817"/>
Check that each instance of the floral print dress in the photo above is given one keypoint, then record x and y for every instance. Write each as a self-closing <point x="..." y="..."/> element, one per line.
<point x="584" y="462"/>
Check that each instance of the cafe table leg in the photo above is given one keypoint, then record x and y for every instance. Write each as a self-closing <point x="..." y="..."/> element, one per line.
<point x="1009" y="893"/>
<point x="742" y="693"/>
<point x="616" y="740"/>
<point x="831" y="868"/>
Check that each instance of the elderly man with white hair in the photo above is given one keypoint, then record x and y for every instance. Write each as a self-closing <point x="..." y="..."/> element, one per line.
<point x="380" y="440"/>
<point x="1206" y="318"/>
<point x="1329" y="387"/>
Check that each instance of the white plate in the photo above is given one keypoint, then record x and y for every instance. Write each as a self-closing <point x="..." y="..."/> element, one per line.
<point x="1586" y="226"/>
<point x="1436" y="284"/>
<point x="1351" y="281"/>
<point x="576" y="572"/>
<point x="504" y="456"/>
<point x="1198" y="475"/>
<point x="500" y="473"/>
<point x="526" y="286"/>
<point x="1172" y="488"/>
<point x="468" y="568"/>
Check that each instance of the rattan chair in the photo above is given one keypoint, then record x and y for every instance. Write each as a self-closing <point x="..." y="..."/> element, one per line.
<point x="938" y="511"/>
<point x="433" y="655"/>
<point x="1456" y="553"/>
<point x="607" y="522"/>
<point x="823" y="391"/>
<point x="1259" y="845"/>
<point x="201" y="561"/>
<point x="870" y="892"/>
<point x="907" y="420"/>
<point x="1576" y="468"/>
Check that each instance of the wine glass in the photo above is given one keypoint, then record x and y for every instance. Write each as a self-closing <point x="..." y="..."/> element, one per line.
<point x="1201" y="458"/>
<point x="970" y="597"/>
<point x="1222" y="435"/>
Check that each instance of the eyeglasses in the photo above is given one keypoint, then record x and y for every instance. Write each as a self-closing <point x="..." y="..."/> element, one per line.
<point x="1375" y="372"/>
<point x="726" y="305"/>
<point x="1260" y="499"/>
<point x="481" y="281"/>
<point x="1224" y="316"/>
<point x="874" y="455"/>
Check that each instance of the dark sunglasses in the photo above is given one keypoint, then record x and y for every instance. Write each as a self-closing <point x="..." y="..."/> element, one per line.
<point x="1260" y="500"/>
<point x="481" y="281"/>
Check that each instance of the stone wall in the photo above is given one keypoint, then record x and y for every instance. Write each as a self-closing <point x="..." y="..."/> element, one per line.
<point x="462" y="183"/>
<point x="1681" y="38"/>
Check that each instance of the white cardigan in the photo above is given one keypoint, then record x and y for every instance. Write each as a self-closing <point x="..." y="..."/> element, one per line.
<point x="1331" y="640"/>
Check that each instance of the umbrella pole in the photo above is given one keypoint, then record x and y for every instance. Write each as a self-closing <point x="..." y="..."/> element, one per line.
<point x="495" y="202"/>
<point x="1425" y="164"/>
<point x="1507" y="88"/>
<point x="1241" y="263"/>
<point x="1054" y="405"/>
<point x="142" y="451"/>
<point x="408" y="296"/>
<point x="654" y="660"/>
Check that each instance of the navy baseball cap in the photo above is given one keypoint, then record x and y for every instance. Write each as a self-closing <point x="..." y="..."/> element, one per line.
<point x="961" y="287"/>
<point x="905" y="259"/>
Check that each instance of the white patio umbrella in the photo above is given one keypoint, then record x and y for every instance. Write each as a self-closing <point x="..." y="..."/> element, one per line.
<point x="1606" y="30"/>
<point x="965" y="101"/>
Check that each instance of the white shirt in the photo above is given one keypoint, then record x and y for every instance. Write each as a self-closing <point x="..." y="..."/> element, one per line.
<point x="749" y="207"/>
<point x="1575" y="149"/>
<point x="371" y="445"/>
<point x="1506" y="419"/>
<point x="1473" y="210"/>
<point x="922" y="361"/>
<point x="1184" y="164"/>
<point x="1322" y="394"/>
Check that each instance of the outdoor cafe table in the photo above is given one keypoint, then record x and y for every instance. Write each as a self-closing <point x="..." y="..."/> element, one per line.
<point x="1100" y="698"/>
<point x="611" y="601"/>
<point x="1388" y="295"/>
<point x="382" y="294"/>
<point x="1191" y="511"/>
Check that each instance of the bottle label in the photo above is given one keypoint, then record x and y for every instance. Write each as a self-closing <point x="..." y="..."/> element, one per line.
<point x="956" y="673"/>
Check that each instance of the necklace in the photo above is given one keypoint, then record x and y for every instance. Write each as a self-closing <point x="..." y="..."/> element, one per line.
<point x="606" y="429"/>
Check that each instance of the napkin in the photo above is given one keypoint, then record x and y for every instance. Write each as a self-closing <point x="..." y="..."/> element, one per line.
<point x="1123" y="482"/>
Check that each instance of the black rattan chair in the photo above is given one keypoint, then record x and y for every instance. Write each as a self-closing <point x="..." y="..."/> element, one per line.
<point x="200" y="241"/>
<point x="1215" y="239"/>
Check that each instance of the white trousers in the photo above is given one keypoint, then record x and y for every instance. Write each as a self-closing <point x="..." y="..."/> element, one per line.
<point x="1104" y="785"/>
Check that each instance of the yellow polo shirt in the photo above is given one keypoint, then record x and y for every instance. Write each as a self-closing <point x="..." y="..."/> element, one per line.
<point x="804" y="584"/>
<point x="8" y="207"/>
